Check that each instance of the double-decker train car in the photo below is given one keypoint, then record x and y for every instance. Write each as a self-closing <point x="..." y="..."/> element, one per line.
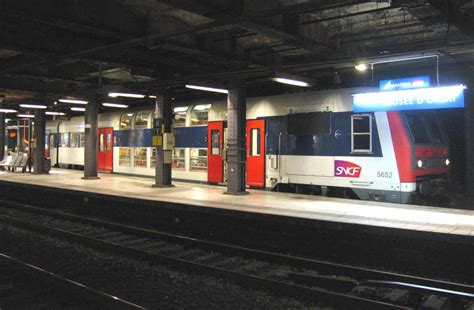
<point x="307" y="142"/>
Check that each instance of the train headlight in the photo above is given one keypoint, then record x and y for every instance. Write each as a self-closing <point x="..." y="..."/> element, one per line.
<point x="446" y="162"/>
<point x="419" y="163"/>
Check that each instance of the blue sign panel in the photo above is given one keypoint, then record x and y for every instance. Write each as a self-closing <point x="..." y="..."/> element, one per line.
<point x="405" y="83"/>
<point x="414" y="99"/>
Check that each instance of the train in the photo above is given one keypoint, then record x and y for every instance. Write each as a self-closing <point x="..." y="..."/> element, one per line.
<point x="309" y="142"/>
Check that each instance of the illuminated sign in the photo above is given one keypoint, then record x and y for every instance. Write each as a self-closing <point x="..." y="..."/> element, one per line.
<point x="405" y="83"/>
<point x="414" y="99"/>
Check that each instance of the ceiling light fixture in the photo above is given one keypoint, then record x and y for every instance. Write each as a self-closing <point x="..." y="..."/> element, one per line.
<point x="8" y="111"/>
<point x="78" y="109"/>
<point x="361" y="67"/>
<point x="115" y="95"/>
<point x="152" y="97"/>
<point x="25" y="115"/>
<point x="115" y="105"/>
<point x="33" y="106"/>
<point x="74" y="101"/>
<point x="206" y="88"/>
<point x="291" y="82"/>
<point x="54" y="113"/>
<point x="291" y="79"/>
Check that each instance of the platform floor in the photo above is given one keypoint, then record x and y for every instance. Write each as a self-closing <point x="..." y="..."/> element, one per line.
<point x="409" y="217"/>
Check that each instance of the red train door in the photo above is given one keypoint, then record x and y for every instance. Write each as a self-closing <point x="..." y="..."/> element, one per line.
<point x="256" y="153"/>
<point x="105" y="150"/>
<point x="215" y="146"/>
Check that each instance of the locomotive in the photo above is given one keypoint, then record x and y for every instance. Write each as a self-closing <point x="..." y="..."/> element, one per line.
<point x="309" y="142"/>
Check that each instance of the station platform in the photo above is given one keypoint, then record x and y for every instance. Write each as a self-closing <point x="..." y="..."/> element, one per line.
<point x="452" y="222"/>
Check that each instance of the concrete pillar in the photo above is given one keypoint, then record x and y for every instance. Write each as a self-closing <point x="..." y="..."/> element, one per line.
<point x="469" y="139"/>
<point x="90" y="143"/>
<point x="2" y="135"/>
<point x="236" y="146"/>
<point x="40" y="132"/>
<point x="162" y="118"/>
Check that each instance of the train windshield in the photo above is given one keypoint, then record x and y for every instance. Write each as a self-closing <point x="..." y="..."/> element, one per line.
<point x="425" y="127"/>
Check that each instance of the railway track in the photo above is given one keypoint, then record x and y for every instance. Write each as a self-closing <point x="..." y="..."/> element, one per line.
<point x="328" y="283"/>
<point x="24" y="286"/>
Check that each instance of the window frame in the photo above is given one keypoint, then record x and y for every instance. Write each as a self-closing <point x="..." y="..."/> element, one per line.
<point x="193" y="108"/>
<point x="370" y="133"/>
<point x="131" y="117"/>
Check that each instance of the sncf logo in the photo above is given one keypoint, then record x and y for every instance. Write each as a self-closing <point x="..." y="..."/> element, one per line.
<point x="346" y="169"/>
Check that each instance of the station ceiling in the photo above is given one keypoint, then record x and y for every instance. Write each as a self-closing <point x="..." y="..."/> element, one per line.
<point x="55" y="48"/>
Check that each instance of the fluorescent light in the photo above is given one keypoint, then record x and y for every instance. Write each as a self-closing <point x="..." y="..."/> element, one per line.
<point x="361" y="67"/>
<point x="26" y="115"/>
<point x="152" y="97"/>
<point x="115" y="95"/>
<point x="54" y="113"/>
<point x="291" y="82"/>
<point x="211" y="89"/>
<point x="180" y="109"/>
<point x="78" y="109"/>
<point x="202" y="107"/>
<point x="8" y="111"/>
<point x="33" y="106"/>
<point x="115" y="105"/>
<point x="74" y="101"/>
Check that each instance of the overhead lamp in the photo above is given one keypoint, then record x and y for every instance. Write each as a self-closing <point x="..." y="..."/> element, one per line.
<point x="115" y="105"/>
<point x="54" y="113"/>
<point x="152" y="97"/>
<point x="33" y="106"/>
<point x="8" y="111"/>
<point x="206" y="88"/>
<point x="291" y="79"/>
<point x="73" y="101"/>
<point x="361" y="67"/>
<point x="202" y="107"/>
<point x="127" y="95"/>
<point x="26" y="115"/>
<point x="78" y="109"/>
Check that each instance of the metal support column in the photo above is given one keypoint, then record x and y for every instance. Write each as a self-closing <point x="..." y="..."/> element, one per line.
<point x="163" y="140"/>
<point x="90" y="147"/>
<point x="2" y="135"/>
<point x="236" y="146"/>
<point x="469" y="139"/>
<point x="40" y="132"/>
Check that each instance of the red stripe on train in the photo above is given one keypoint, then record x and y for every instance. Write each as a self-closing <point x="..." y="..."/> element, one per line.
<point x="402" y="147"/>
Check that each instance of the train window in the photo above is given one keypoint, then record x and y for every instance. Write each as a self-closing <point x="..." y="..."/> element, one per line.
<point x="141" y="119"/>
<point x="255" y="142"/>
<point x="179" y="119"/>
<point x="65" y="139"/>
<point x="74" y="139"/>
<point x="198" y="159"/>
<point x="309" y="124"/>
<point x="125" y="157"/>
<point x="361" y="133"/>
<point x="139" y="157"/>
<point x="435" y="129"/>
<point x="199" y="114"/>
<point x="101" y="143"/>
<point x="126" y="121"/>
<point x="108" y="142"/>
<point x="82" y="139"/>
<point x="215" y="142"/>
<point x="178" y="159"/>
<point x="417" y="125"/>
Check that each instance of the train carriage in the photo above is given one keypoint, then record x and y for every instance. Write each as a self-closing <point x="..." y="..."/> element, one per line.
<point x="308" y="143"/>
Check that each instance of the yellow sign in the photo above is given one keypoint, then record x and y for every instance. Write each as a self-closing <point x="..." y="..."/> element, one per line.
<point x="157" y="141"/>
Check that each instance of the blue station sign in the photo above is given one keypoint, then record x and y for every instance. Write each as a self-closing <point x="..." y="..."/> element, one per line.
<point x="405" y="83"/>
<point x="415" y="99"/>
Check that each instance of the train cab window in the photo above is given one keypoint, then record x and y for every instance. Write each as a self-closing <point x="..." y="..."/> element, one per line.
<point x="179" y="119"/>
<point x="125" y="157"/>
<point x="126" y="121"/>
<point x="361" y="125"/>
<point x="74" y="139"/>
<point x="199" y="114"/>
<point x="417" y="124"/>
<point x="139" y="157"/>
<point x="141" y="120"/>
<point x="198" y="159"/>
<point x="65" y="139"/>
<point x="178" y="159"/>
<point x="215" y="142"/>
<point x="255" y="142"/>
